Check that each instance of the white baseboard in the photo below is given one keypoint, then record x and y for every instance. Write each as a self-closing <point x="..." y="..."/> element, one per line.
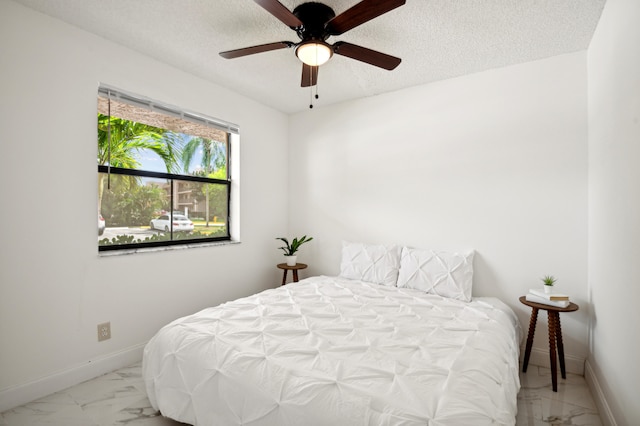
<point x="606" y="415"/>
<point x="21" y="394"/>
<point x="540" y="357"/>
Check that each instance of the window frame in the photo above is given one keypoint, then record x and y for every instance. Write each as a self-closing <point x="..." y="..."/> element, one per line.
<point x="230" y="130"/>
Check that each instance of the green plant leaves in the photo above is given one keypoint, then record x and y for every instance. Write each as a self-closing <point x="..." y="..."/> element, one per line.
<point x="548" y="280"/>
<point x="291" y="249"/>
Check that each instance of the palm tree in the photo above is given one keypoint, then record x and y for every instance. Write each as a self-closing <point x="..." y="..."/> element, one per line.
<point x="213" y="158"/>
<point x="128" y="138"/>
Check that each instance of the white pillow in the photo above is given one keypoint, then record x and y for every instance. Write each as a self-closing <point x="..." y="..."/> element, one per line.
<point x="377" y="264"/>
<point x="437" y="272"/>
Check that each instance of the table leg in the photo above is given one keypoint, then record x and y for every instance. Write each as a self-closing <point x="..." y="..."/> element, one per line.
<point x="284" y="277"/>
<point x="563" y="370"/>
<point x="295" y="275"/>
<point x="532" y="331"/>
<point x="552" y="348"/>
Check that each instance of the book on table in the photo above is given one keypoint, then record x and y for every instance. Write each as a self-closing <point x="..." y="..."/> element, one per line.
<point x="549" y="296"/>
<point x="544" y="301"/>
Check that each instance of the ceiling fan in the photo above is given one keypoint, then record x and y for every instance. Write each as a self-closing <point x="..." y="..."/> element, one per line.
<point x="315" y="22"/>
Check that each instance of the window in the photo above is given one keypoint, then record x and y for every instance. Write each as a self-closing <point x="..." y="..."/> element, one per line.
<point x="163" y="174"/>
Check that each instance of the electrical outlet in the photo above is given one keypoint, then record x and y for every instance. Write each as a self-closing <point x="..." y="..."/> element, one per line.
<point x="104" y="331"/>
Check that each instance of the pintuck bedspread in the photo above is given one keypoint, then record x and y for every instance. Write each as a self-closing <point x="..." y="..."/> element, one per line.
<point x="335" y="351"/>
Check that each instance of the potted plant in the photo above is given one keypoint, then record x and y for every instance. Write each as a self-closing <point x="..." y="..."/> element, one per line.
<point x="291" y="249"/>
<point x="548" y="281"/>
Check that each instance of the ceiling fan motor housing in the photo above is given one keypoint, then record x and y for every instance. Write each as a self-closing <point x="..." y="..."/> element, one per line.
<point x="314" y="16"/>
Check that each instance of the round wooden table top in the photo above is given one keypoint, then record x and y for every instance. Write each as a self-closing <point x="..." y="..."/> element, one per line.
<point x="572" y="306"/>
<point x="292" y="268"/>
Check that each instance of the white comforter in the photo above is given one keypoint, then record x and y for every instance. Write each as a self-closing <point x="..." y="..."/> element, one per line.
<point x="332" y="351"/>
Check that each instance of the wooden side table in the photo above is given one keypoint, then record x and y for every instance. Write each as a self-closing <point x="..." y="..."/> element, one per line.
<point x="555" y="336"/>
<point x="288" y="268"/>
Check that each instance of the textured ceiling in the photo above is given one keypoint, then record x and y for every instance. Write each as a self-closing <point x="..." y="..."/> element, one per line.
<point x="436" y="39"/>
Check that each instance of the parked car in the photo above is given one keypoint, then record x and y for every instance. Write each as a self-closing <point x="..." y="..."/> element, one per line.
<point x="181" y="223"/>
<point x="101" y="224"/>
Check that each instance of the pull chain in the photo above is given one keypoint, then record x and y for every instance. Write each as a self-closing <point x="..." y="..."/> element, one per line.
<point x="313" y="68"/>
<point x="311" y="87"/>
<point x="316" y="69"/>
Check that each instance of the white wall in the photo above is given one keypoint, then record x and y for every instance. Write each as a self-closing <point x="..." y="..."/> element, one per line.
<point x="54" y="288"/>
<point x="614" y="207"/>
<point x="495" y="161"/>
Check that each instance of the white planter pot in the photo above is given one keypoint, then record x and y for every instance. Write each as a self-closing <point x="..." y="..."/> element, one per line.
<point x="548" y="289"/>
<point x="291" y="260"/>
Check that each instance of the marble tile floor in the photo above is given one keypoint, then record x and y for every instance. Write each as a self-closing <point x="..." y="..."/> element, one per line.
<point x="538" y="405"/>
<point x="119" y="398"/>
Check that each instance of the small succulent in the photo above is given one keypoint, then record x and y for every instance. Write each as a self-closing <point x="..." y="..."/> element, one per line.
<point x="548" y="280"/>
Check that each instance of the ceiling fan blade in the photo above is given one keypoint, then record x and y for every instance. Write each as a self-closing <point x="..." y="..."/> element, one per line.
<point x="369" y="56"/>
<point x="278" y="10"/>
<point x="309" y="75"/>
<point x="230" y="54"/>
<point x="362" y="12"/>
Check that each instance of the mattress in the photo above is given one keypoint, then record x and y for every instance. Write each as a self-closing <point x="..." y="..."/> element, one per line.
<point x="335" y="351"/>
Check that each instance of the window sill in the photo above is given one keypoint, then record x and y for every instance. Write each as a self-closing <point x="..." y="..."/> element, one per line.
<point x="164" y="248"/>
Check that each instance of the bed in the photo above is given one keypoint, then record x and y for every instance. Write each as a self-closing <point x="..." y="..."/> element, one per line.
<point x="340" y="351"/>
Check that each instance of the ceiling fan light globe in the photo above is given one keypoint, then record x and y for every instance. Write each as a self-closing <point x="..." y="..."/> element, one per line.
<point x="314" y="53"/>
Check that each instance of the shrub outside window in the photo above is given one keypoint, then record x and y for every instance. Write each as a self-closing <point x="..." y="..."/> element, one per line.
<point x="163" y="174"/>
